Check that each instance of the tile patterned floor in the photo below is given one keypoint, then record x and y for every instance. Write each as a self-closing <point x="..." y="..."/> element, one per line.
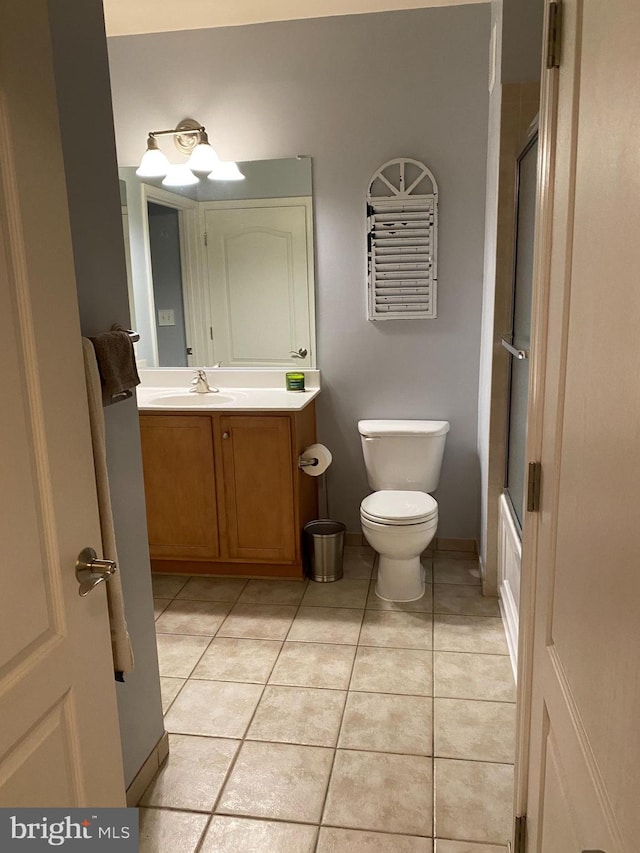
<point x="309" y="718"/>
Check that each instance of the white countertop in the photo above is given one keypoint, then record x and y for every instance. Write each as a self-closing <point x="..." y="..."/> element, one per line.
<point x="168" y="389"/>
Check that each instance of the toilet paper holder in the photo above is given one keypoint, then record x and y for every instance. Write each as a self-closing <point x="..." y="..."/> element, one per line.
<point x="305" y="463"/>
<point x="314" y="460"/>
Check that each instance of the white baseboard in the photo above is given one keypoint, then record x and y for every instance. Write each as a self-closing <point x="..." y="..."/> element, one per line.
<point x="148" y="770"/>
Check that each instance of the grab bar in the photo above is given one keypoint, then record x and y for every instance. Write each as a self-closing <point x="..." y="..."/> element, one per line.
<point x="518" y="353"/>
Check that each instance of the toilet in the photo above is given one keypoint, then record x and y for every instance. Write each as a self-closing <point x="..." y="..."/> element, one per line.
<point x="403" y="461"/>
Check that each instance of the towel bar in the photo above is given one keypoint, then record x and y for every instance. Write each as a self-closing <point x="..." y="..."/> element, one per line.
<point x="122" y="395"/>
<point x="133" y="335"/>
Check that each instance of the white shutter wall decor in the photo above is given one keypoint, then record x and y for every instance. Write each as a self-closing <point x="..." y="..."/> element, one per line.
<point x="402" y="238"/>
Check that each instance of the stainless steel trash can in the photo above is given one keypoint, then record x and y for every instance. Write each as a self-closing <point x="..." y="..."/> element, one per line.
<point x="323" y="546"/>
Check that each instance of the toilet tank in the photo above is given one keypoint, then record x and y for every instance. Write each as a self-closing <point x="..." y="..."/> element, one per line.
<point x="403" y="454"/>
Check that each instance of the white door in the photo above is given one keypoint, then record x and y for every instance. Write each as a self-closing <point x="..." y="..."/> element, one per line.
<point x="581" y="551"/>
<point x="259" y="278"/>
<point x="59" y="738"/>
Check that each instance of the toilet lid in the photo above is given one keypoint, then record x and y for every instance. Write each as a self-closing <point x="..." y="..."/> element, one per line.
<point x="399" y="507"/>
<point x="375" y="429"/>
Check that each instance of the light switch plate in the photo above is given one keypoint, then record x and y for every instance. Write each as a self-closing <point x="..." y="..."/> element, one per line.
<point x="166" y="317"/>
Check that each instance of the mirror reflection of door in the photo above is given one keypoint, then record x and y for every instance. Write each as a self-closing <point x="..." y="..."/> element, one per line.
<point x="260" y="281"/>
<point x="521" y="327"/>
<point x="166" y="271"/>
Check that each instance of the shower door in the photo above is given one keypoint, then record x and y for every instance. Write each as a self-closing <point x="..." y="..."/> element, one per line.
<point x="518" y="342"/>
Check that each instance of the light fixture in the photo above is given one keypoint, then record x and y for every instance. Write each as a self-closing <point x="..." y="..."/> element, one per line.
<point x="153" y="164"/>
<point x="179" y="176"/>
<point x="226" y="171"/>
<point x="203" y="157"/>
<point x="190" y="138"/>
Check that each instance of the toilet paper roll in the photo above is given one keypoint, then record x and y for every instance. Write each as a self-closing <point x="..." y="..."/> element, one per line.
<point x="315" y="460"/>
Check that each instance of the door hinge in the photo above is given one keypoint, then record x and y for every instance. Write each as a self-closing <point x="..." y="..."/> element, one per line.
<point x="554" y="34"/>
<point x="206" y="242"/>
<point x="533" y="486"/>
<point x="519" y="835"/>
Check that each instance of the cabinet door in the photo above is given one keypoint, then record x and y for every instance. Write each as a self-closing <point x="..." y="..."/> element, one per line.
<point x="179" y="484"/>
<point x="257" y="492"/>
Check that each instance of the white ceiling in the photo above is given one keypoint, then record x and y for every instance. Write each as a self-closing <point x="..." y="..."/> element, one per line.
<point x="126" y="17"/>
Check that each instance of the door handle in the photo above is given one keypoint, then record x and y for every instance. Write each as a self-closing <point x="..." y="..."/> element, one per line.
<point x="301" y="353"/>
<point x="90" y="571"/>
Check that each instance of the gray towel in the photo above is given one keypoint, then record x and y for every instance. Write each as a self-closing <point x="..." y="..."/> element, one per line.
<point x="117" y="365"/>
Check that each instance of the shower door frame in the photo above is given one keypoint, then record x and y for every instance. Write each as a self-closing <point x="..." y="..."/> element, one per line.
<point x="532" y="141"/>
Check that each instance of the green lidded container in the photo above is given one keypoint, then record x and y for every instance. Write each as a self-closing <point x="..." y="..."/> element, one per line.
<point x="295" y="381"/>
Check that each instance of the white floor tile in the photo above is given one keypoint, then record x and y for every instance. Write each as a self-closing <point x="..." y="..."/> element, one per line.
<point x="326" y="625"/>
<point x="193" y="774"/>
<point x="277" y="780"/>
<point x="378" y="791"/>
<point x="164" y="831"/>
<point x="302" y="715"/>
<point x="236" y="834"/>
<point x="178" y="653"/>
<point x="473" y="800"/>
<point x="314" y="665"/>
<point x="386" y="723"/>
<point x="262" y="679"/>
<point x="213" y="708"/>
<point x="233" y="659"/>
<point x="332" y="840"/>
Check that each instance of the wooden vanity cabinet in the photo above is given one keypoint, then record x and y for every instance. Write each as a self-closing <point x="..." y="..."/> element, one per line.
<point x="224" y="492"/>
<point x="179" y="470"/>
<point x="255" y="491"/>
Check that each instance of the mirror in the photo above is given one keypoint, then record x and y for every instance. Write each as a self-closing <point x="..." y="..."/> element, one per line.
<point x="222" y="273"/>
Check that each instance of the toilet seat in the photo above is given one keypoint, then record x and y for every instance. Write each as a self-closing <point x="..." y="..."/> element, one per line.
<point x="399" y="508"/>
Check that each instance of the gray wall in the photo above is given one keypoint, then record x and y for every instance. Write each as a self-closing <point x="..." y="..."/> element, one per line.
<point x="285" y="178"/>
<point x="351" y="92"/>
<point x="94" y="206"/>
<point x="164" y="246"/>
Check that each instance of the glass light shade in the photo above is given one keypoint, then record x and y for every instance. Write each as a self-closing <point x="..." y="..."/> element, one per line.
<point x="226" y="171"/>
<point x="153" y="165"/>
<point x="203" y="158"/>
<point x="179" y="176"/>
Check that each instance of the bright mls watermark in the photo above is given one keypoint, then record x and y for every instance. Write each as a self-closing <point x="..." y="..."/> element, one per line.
<point x="27" y="830"/>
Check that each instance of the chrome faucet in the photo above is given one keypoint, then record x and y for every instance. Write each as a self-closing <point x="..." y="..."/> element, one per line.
<point x="201" y="383"/>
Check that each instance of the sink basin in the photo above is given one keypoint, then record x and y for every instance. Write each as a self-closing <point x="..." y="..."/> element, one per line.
<point x="191" y="401"/>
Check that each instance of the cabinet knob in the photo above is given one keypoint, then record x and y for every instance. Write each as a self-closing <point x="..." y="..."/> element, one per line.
<point x="225" y="435"/>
